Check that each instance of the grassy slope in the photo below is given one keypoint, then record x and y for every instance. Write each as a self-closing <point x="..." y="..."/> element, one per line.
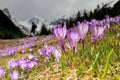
<point x="97" y="61"/>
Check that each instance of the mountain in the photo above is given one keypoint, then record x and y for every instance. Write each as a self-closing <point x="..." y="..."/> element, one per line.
<point x="116" y="8"/>
<point x="25" y="26"/>
<point x="17" y="23"/>
<point x="7" y="13"/>
<point x="8" y="29"/>
<point x="22" y="25"/>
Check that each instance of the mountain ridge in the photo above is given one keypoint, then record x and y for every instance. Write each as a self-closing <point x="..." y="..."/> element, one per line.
<point x="7" y="28"/>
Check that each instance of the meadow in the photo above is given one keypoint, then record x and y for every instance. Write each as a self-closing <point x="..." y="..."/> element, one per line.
<point x="99" y="60"/>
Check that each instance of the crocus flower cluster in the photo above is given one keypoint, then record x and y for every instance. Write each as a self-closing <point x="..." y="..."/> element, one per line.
<point x="13" y="64"/>
<point x="23" y="63"/>
<point x="73" y="35"/>
<point x="47" y="51"/>
<point x="97" y="31"/>
<point x="2" y="73"/>
<point x="115" y="19"/>
<point x="79" y="32"/>
<point x="27" y="44"/>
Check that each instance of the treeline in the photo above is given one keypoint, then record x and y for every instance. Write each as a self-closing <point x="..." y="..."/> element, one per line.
<point x="98" y="13"/>
<point x="44" y="30"/>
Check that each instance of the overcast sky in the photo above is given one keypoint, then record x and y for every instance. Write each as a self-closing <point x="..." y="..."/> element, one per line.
<point x="47" y="9"/>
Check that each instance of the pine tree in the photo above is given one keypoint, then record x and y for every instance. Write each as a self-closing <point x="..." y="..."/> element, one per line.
<point x="43" y="30"/>
<point x="78" y="17"/>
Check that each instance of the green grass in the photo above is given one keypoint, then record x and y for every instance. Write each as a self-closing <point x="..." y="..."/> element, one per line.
<point x="99" y="61"/>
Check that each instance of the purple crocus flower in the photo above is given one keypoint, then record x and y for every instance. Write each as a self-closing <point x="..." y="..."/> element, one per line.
<point x="107" y="21"/>
<point x="60" y="33"/>
<point x="118" y="20"/>
<point x="31" y="56"/>
<point x="14" y="75"/>
<point x="2" y="73"/>
<point x="39" y="52"/>
<point x="30" y="64"/>
<point x="13" y="64"/>
<point x="82" y="29"/>
<point x="73" y="38"/>
<point x="47" y="52"/>
<point x="36" y="62"/>
<point x="23" y="64"/>
<point x="56" y="53"/>
<point x="96" y="32"/>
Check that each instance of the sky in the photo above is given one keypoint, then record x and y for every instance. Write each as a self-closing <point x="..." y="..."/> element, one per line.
<point x="47" y="9"/>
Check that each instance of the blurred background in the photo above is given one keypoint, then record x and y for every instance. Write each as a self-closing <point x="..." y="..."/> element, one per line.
<point x="17" y="16"/>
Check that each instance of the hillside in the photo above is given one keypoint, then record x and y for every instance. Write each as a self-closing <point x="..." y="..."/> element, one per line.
<point x="99" y="61"/>
<point x="7" y="28"/>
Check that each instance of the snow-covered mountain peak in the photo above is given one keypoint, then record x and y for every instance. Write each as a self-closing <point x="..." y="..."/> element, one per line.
<point x="26" y="25"/>
<point x="6" y="12"/>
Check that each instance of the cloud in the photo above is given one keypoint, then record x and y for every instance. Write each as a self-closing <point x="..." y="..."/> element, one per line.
<point x="47" y="9"/>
